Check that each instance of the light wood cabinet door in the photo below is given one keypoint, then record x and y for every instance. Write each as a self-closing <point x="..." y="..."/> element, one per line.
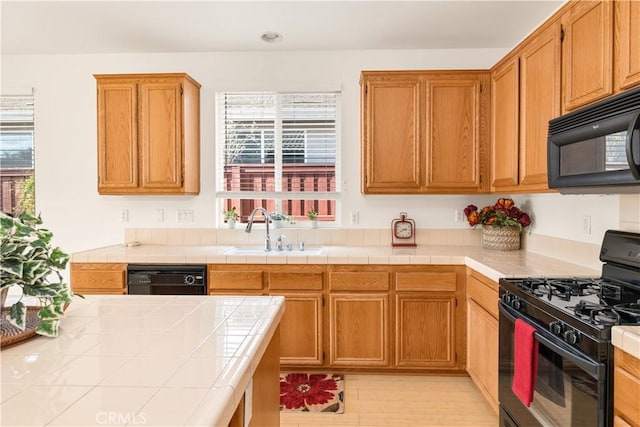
<point x="452" y="126"/>
<point x="99" y="278"/>
<point x="626" y="61"/>
<point x="505" y="115"/>
<point x="626" y="388"/>
<point x="117" y="136"/>
<point x="161" y="134"/>
<point x="301" y="329"/>
<point x="539" y="103"/>
<point x="359" y="330"/>
<point x="425" y="330"/>
<point x="482" y="352"/>
<point x="482" y="335"/>
<point x="148" y="134"/>
<point x="391" y="135"/>
<point x="587" y="52"/>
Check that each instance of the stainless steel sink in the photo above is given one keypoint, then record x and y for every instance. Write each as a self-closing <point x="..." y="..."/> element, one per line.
<point x="253" y="251"/>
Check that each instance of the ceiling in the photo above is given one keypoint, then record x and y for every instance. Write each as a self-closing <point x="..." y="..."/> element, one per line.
<point x="84" y="27"/>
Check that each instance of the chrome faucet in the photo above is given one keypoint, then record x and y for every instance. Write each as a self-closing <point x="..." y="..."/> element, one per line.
<point x="267" y="237"/>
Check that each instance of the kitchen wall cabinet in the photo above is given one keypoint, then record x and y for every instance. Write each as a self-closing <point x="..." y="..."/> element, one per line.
<point x="427" y="318"/>
<point x="148" y="134"/>
<point x="359" y="316"/>
<point x="627" y="45"/>
<point x="526" y="95"/>
<point x="424" y="132"/>
<point x="99" y="278"/>
<point x="482" y="335"/>
<point x="626" y="389"/>
<point x="587" y="53"/>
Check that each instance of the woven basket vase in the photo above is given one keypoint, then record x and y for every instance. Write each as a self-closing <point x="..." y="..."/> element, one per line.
<point x="500" y="238"/>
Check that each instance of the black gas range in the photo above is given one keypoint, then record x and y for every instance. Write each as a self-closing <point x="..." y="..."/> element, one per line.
<point x="572" y="317"/>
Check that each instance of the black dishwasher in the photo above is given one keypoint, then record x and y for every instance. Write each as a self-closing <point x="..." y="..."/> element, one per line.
<point x="167" y="279"/>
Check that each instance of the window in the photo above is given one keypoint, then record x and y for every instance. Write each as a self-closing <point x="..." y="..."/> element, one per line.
<point x="278" y="151"/>
<point x="17" y="163"/>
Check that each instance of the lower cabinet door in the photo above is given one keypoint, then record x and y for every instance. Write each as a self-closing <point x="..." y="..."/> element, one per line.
<point x="425" y="331"/>
<point x="301" y="330"/>
<point x="482" y="354"/>
<point x="359" y="329"/>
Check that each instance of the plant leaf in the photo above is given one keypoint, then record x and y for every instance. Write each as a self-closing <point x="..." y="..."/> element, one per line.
<point x="17" y="315"/>
<point x="48" y="328"/>
<point x="58" y="258"/>
<point x="48" y="312"/>
<point x="12" y="268"/>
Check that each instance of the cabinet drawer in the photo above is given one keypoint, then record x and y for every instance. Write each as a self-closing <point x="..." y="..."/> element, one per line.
<point x="359" y="281"/>
<point x="283" y="281"/>
<point x="237" y="280"/>
<point x="484" y="294"/>
<point x="423" y="281"/>
<point x="98" y="278"/>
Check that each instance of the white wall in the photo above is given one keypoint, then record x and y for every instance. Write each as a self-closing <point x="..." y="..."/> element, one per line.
<point x="66" y="160"/>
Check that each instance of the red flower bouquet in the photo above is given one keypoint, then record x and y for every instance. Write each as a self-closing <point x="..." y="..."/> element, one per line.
<point x="503" y="214"/>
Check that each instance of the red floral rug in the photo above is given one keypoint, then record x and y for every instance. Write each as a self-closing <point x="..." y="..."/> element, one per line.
<point x="312" y="392"/>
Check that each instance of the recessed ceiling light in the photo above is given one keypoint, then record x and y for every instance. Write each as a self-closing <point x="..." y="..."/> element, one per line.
<point x="271" y="37"/>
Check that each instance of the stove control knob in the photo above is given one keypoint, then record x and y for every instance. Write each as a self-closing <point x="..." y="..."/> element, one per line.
<point x="571" y="336"/>
<point x="506" y="298"/>
<point x="556" y="327"/>
<point x="517" y="303"/>
<point x="189" y="279"/>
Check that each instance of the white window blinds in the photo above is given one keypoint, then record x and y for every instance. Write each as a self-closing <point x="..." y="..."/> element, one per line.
<point x="277" y="142"/>
<point x="16" y="132"/>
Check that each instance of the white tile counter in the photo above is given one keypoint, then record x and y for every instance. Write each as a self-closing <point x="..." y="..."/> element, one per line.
<point x="140" y="360"/>
<point x="493" y="264"/>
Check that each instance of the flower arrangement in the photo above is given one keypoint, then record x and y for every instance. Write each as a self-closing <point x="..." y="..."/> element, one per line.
<point x="503" y="214"/>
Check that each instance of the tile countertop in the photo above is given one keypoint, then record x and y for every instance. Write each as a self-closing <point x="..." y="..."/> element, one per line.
<point x="140" y="360"/>
<point x="493" y="264"/>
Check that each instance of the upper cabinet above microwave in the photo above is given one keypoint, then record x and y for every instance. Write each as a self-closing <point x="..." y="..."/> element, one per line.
<point x="424" y="132"/>
<point x="600" y="50"/>
<point x="148" y="134"/>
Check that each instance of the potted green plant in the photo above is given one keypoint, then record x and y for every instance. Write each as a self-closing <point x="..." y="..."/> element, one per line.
<point x="278" y="217"/>
<point x="29" y="261"/>
<point x="312" y="216"/>
<point x="231" y="216"/>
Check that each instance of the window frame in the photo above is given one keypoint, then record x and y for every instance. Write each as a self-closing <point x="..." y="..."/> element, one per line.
<point x="279" y="195"/>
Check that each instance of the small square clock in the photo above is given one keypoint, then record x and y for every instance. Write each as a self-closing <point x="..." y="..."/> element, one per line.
<point x="403" y="231"/>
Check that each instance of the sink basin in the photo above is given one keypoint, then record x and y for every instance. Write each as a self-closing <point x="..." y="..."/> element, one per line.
<point x="261" y="251"/>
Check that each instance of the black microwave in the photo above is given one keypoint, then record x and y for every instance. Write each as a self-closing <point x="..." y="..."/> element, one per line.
<point x="596" y="149"/>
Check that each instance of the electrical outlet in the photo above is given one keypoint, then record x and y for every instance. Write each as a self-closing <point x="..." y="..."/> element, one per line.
<point x="159" y="215"/>
<point x="586" y="224"/>
<point x="355" y="218"/>
<point x="184" y="215"/>
<point x="124" y="215"/>
<point x="458" y="215"/>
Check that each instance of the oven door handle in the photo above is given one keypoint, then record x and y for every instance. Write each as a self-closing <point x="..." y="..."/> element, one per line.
<point x="596" y="370"/>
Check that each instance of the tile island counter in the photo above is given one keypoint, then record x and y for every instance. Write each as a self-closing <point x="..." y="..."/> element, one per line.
<point x="149" y="360"/>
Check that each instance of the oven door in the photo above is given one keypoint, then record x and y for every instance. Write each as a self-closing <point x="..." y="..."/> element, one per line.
<point x="570" y="389"/>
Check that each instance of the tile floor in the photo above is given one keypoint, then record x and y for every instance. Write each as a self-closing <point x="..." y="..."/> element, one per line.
<point x="404" y="401"/>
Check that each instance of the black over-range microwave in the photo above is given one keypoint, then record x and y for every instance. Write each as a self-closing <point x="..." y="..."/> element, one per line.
<point x="596" y="149"/>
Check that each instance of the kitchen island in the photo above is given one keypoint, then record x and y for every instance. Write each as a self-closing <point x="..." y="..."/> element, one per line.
<point x="149" y="360"/>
